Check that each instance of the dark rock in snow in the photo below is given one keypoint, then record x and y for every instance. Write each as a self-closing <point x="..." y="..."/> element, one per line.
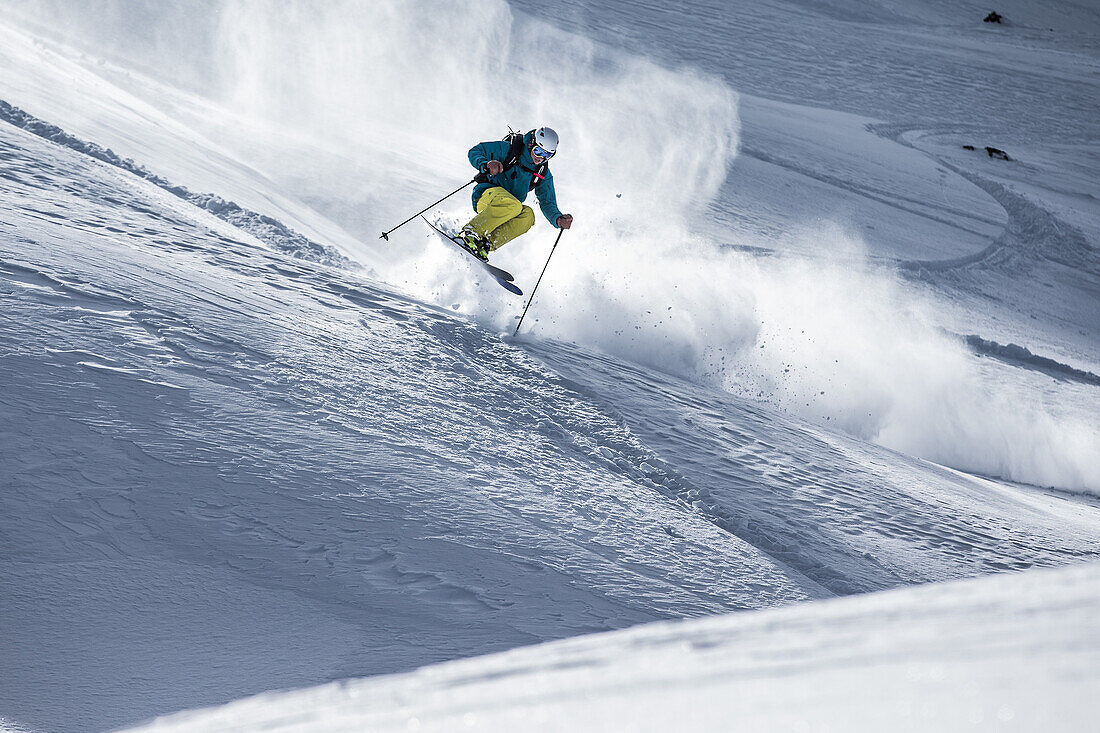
<point x="992" y="152"/>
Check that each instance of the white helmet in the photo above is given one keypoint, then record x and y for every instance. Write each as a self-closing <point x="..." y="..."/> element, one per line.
<point x="547" y="139"/>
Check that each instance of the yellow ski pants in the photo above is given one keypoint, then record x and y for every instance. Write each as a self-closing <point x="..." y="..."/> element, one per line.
<point x="501" y="217"/>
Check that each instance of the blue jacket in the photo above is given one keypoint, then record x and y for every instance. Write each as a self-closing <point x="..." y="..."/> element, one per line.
<point x="517" y="180"/>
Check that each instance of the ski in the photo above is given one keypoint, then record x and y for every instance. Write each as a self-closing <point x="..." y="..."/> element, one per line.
<point x="501" y="276"/>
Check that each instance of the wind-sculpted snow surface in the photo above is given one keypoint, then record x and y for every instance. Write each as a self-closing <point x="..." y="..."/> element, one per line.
<point x="184" y="407"/>
<point x="1008" y="653"/>
<point x="852" y="517"/>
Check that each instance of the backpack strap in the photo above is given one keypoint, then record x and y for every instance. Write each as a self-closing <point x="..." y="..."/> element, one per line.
<point x="515" y="154"/>
<point x="515" y="150"/>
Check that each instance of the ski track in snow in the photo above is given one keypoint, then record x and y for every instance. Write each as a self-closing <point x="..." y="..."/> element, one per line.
<point x="188" y="411"/>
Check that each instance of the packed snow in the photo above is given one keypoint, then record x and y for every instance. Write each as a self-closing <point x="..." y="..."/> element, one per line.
<point x="801" y="343"/>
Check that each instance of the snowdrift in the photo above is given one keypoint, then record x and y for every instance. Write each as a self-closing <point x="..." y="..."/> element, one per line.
<point x="1015" y="652"/>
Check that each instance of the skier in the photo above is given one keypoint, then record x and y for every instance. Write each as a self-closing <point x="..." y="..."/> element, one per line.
<point x="511" y="168"/>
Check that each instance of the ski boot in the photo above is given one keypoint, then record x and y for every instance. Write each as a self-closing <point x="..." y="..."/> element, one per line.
<point x="471" y="241"/>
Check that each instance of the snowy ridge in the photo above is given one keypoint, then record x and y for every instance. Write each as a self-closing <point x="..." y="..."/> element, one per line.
<point x="1021" y="355"/>
<point x="1016" y="652"/>
<point x="266" y="229"/>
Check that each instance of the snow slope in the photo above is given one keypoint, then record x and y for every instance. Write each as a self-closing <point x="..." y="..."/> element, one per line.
<point x="855" y="196"/>
<point x="172" y="374"/>
<point x="856" y="191"/>
<point x="206" y="434"/>
<point x="1008" y="653"/>
<point x="801" y="344"/>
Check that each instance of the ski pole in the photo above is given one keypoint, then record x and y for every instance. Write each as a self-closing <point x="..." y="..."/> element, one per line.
<point x="386" y="235"/>
<point x="529" y="300"/>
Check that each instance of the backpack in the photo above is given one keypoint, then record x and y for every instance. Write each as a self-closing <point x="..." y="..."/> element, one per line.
<point x="515" y="154"/>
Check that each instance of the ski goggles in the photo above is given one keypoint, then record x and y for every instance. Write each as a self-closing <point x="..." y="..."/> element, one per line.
<point x="539" y="151"/>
